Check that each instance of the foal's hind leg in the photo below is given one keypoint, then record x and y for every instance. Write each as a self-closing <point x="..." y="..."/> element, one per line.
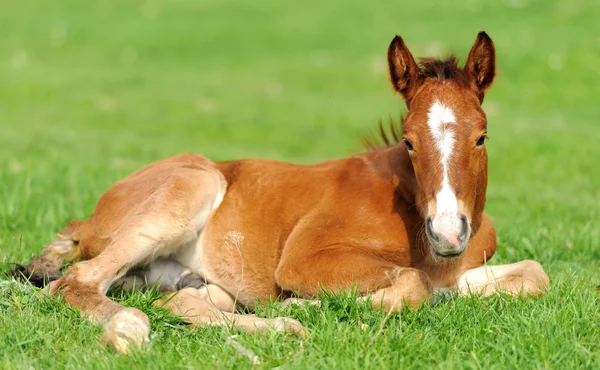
<point x="167" y="220"/>
<point x="211" y="305"/>
<point x="46" y="268"/>
<point x="525" y="278"/>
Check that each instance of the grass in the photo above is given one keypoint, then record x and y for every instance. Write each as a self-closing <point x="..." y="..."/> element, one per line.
<point x="93" y="90"/>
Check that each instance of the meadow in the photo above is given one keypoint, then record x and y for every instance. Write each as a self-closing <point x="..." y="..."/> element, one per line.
<point x="92" y="90"/>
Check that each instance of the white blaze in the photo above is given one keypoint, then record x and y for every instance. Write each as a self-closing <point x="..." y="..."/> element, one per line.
<point x="440" y="121"/>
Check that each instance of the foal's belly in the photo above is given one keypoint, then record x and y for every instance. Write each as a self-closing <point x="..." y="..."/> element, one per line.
<point x="231" y="257"/>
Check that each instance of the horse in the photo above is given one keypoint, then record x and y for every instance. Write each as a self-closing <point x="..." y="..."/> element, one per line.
<point x="396" y="222"/>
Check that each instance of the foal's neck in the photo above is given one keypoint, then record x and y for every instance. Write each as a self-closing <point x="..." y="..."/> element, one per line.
<point x="394" y="163"/>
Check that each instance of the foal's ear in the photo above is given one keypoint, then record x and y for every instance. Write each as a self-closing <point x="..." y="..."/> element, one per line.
<point x="481" y="64"/>
<point x="404" y="71"/>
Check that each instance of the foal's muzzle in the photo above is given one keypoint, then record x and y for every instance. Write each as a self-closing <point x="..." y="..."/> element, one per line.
<point x="448" y="234"/>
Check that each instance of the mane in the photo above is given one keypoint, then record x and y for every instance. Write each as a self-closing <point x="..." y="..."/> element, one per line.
<point x="384" y="137"/>
<point x="430" y="68"/>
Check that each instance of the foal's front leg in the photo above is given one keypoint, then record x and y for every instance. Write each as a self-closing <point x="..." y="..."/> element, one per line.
<point x="305" y="273"/>
<point x="525" y="278"/>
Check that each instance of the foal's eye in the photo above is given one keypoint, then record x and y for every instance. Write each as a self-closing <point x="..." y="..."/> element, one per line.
<point x="481" y="141"/>
<point x="409" y="146"/>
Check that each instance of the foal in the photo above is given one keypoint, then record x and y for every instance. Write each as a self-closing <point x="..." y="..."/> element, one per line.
<point x="394" y="222"/>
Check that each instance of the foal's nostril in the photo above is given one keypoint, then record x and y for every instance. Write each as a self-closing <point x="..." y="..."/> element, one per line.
<point x="429" y="230"/>
<point x="464" y="229"/>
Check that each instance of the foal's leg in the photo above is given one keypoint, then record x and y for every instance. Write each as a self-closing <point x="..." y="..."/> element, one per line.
<point x="211" y="305"/>
<point x="85" y="284"/>
<point x="392" y="287"/>
<point x="410" y="287"/>
<point x="46" y="268"/>
<point x="166" y="221"/>
<point x="521" y="278"/>
<point x="299" y="302"/>
<point x="525" y="278"/>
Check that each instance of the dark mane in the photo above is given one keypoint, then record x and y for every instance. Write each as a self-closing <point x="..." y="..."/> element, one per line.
<point x="444" y="70"/>
<point x="431" y="68"/>
<point x="384" y="138"/>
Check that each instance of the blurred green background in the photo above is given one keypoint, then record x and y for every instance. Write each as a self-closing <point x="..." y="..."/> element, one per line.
<point x="92" y="90"/>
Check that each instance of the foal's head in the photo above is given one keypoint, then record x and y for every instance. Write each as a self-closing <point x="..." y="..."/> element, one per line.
<point x="444" y="134"/>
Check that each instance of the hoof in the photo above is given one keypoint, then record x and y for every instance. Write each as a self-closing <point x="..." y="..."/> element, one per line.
<point x="52" y="287"/>
<point x="300" y="302"/>
<point x="191" y="281"/>
<point x="288" y="325"/>
<point x="127" y="329"/>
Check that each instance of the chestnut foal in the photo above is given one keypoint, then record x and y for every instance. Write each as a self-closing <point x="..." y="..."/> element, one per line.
<point x="395" y="222"/>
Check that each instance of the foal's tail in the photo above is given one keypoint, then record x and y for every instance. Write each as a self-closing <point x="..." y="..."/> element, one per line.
<point x="45" y="268"/>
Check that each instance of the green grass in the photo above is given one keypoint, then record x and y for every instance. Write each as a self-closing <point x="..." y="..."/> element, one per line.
<point x="91" y="90"/>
